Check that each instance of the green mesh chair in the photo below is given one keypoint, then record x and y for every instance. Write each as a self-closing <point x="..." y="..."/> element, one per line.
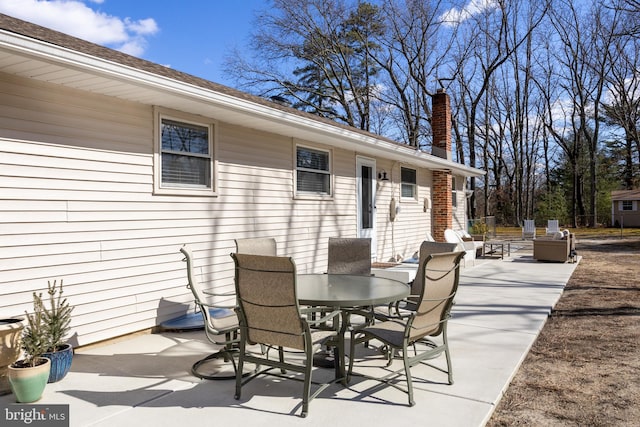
<point x="422" y="335"/>
<point x="270" y="316"/>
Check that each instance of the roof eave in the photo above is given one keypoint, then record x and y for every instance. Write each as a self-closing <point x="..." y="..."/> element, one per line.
<point x="171" y="93"/>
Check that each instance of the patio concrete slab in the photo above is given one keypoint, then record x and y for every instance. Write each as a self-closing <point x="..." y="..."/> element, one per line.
<point x="145" y="381"/>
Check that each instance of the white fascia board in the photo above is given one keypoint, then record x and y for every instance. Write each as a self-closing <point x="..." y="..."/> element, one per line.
<point x="296" y="125"/>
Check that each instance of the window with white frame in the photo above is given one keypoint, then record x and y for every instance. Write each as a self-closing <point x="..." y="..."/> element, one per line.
<point x="313" y="171"/>
<point x="185" y="150"/>
<point x="627" y="205"/>
<point x="454" y="192"/>
<point x="408" y="186"/>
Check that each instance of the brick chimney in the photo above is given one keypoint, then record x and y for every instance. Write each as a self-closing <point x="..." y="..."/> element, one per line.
<point x="441" y="125"/>
<point x="441" y="147"/>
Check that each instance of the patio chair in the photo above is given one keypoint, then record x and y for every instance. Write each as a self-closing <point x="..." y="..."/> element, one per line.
<point x="426" y="249"/>
<point x="552" y="227"/>
<point x="221" y="326"/>
<point x="424" y="331"/>
<point x="529" y="229"/>
<point x="270" y="315"/>
<point x="468" y="247"/>
<point x="349" y="256"/>
<point x="257" y="246"/>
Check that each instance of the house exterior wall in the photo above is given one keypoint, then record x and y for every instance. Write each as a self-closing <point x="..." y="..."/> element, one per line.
<point x="400" y="238"/>
<point x="625" y="218"/>
<point x="77" y="203"/>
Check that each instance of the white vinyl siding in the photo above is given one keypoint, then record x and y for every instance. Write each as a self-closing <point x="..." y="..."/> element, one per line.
<point x="402" y="237"/>
<point x="77" y="203"/>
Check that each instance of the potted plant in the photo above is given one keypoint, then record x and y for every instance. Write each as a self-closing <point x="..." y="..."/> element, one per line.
<point x="56" y="316"/>
<point x="10" y="348"/>
<point x="28" y="377"/>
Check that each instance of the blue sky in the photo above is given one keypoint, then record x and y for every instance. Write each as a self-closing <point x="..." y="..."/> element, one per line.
<point x="189" y="35"/>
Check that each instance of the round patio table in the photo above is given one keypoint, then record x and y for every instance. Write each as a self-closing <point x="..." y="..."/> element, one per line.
<point x="346" y="292"/>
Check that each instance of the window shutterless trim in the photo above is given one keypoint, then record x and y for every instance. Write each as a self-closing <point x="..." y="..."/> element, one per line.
<point x="413" y="184"/>
<point x="183" y="189"/>
<point x="302" y="194"/>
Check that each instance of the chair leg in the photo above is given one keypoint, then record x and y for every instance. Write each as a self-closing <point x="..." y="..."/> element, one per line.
<point x="447" y="355"/>
<point x="281" y="358"/>
<point x="407" y="372"/>
<point x="225" y="355"/>
<point x="240" y="370"/>
<point x="306" y="393"/>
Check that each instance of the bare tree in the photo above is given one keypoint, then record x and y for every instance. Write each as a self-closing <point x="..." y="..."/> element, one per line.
<point x="415" y="46"/>
<point x="583" y="51"/>
<point x="488" y="33"/>
<point x="623" y="107"/>
<point x="327" y="45"/>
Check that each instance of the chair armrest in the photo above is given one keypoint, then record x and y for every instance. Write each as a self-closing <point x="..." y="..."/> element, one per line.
<point x="209" y="305"/>
<point x="219" y="294"/>
<point x="395" y="307"/>
<point x="327" y="314"/>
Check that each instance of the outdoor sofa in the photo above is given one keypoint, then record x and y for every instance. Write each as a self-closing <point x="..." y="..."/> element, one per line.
<point x="559" y="247"/>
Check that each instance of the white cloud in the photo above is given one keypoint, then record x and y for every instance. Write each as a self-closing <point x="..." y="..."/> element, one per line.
<point x="456" y="16"/>
<point x="77" y="19"/>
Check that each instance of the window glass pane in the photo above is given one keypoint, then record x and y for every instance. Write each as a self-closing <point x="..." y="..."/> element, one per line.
<point x="312" y="159"/>
<point x="185" y="155"/>
<point x="366" y="198"/>
<point x="313" y="182"/>
<point x="313" y="174"/>
<point x="184" y="137"/>
<point x="407" y="190"/>
<point x="627" y="205"/>
<point x="454" y="193"/>
<point x="408" y="175"/>
<point x="185" y="171"/>
<point x="408" y="182"/>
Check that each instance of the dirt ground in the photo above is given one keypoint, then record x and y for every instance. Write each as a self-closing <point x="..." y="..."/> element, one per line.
<point x="584" y="368"/>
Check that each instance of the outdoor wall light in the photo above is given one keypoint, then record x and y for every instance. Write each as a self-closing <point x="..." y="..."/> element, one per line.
<point x="382" y="176"/>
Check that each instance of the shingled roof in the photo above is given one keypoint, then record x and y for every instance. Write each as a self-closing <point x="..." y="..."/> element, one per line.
<point x="625" y="195"/>
<point x="48" y="35"/>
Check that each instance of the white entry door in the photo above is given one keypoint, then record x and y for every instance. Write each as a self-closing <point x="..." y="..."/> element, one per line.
<point x="366" y="189"/>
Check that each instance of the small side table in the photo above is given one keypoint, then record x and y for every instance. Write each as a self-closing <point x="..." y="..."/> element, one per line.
<point x="496" y="248"/>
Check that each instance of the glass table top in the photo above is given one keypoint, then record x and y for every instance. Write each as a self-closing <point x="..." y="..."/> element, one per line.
<point x="342" y="290"/>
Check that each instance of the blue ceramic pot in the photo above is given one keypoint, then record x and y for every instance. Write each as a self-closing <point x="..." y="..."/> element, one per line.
<point x="60" y="362"/>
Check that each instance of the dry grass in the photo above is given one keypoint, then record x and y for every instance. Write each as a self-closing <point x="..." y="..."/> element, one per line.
<point x="583" y="370"/>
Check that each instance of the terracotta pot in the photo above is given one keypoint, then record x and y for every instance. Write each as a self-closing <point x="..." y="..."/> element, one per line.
<point x="28" y="383"/>
<point x="60" y="362"/>
<point x="10" y="341"/>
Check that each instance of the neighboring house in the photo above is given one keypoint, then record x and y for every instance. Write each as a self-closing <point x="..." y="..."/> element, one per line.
<point x="109" y="163"/>
<point x="625" y="208"/>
